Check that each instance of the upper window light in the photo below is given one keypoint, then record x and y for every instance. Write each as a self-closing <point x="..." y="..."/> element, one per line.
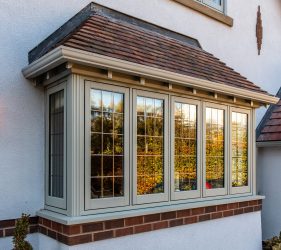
<point x="216" y="4"/>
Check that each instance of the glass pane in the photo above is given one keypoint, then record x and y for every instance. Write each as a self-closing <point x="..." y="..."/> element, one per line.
<point x="239" y="149"/>
<point x="96" y="100"/>
<point x="150" y="141"/>
<point x="107" y="101"/>
<point x="214" y="148"/>
<point x="185" y="159"/>
<point x="218" y="2"/>
<point x="107" y="122"/>
<point x="107" y="147"/>
<point x="118" y="103"/>
<point x="56" y="144"/>
<point x="96" y="121"/>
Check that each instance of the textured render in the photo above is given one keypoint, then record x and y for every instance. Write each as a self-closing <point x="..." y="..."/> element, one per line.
<point x="268" y="184"/>
<point x="26" y="23"/>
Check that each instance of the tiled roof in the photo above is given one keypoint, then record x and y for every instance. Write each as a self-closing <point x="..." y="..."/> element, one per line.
<point x="113" y="34"/>
<point x="269" y="128"/>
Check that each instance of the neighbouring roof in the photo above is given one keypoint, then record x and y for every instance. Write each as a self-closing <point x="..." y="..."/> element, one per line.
<point x="110" y="33"/>
<point x="269" y="128"/>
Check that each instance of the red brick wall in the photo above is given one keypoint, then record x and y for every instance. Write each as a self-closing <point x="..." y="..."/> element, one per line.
<point x="90" y="232"/>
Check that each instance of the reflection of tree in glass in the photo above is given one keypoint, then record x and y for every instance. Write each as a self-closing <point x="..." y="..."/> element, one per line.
<point x="239" y="149"/>
<point x="107" y="144"/>
<point x="150" y="167"/>
<point x="214" y="148"/>
<point x="185" y="170"/>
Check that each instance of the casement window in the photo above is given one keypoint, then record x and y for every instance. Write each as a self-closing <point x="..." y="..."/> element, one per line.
<point x="215" y="4"/>
<point x="150" y="140"/>
<point x="185" y="148"/>
<point x="215" y="149"/>
<point x="107" y="146"/>
<point x="56" y="147"/>
<point x="240" y="160"/>
<point x="141" y="147"/>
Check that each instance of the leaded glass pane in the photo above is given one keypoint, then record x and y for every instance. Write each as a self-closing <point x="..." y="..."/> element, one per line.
<point x="214" y="148"/>
<point x="185" y="169"/>
<point x="56" y="144"/>
<point x="150" y="145"/>
<point x="107" y="147"/>
<point x="239" y="149"/>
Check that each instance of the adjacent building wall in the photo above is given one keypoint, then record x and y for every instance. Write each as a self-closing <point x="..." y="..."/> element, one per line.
<point x="26" y="23"/>
<point x="241" y="232"/>
<point x="269" y="184"/>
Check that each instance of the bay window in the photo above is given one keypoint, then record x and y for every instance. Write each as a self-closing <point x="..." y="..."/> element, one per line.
<point x="143" y="147"/>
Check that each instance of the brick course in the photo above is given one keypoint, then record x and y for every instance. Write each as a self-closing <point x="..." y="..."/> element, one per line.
<point x="102" y="230"/>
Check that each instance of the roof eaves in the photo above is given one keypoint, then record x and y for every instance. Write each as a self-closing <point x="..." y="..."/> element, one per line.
<point x="267" y="116"/>
<point x="64" y="54"/>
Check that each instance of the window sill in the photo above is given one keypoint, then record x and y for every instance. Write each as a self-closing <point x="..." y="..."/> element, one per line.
<point x="66" y="220"/>
<point x="205" y="10"/>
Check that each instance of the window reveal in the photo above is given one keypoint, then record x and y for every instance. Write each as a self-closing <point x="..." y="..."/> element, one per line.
<point x="185" y="160"/>
<point x="150" y="144"/>
<point x="214" y="148"/>
<point x="239" y="149"/>
<point x="107" y="136"/>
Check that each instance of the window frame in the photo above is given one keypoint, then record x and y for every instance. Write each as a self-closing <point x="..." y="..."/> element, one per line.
<point x="182" y="195"/>
<point x="220" y="8"/>
<point x="50" y="200"/>
<point x="150" y="198"/>
<point x="244" y="189"/>
<point x="112" y="201"/>
<point x="217" y="191"/>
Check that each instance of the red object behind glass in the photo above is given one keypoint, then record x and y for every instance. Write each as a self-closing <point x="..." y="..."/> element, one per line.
<point x="208" y="185"/>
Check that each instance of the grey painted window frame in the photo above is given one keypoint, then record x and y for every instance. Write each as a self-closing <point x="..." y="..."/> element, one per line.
<point x="114" y="201"/>
<point x="50" y="200"/>
<point x="245" y="189"/>
<point x="194" y="193"/>
<point x="75" y="98"/>
<point x="217" y="191"/>
<point x="150" y="198"/>
<point x="218" y="7"/>
<point x="209" y="3"/>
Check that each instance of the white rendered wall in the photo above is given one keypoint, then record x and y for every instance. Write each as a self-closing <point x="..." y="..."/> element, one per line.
<point x="26" y="23"/>
<point x="242" y="232"/>
<point x="269" y="184"/>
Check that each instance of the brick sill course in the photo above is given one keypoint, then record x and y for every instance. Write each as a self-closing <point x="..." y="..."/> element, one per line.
<point x="90" y="232"/>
